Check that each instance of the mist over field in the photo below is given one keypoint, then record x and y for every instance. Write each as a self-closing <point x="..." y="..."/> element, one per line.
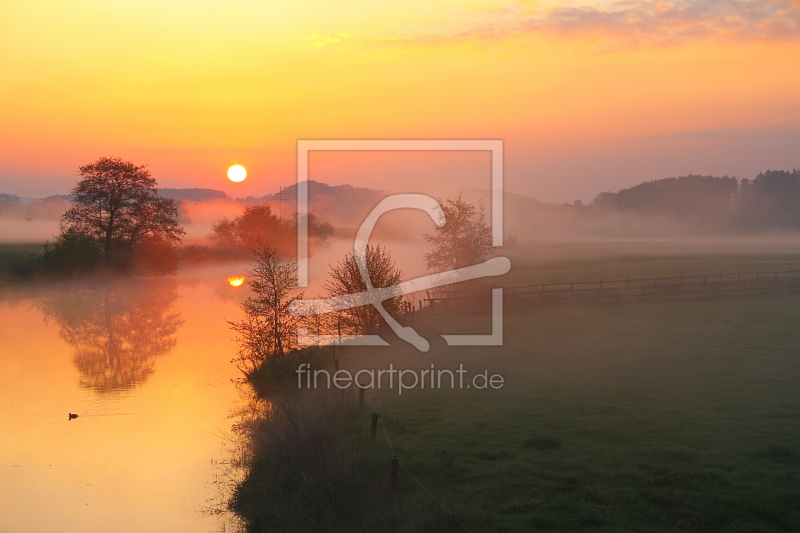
<point x="689" y="206"/>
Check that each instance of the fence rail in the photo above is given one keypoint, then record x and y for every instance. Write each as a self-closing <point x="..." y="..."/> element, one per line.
<point x="739" y="283"/>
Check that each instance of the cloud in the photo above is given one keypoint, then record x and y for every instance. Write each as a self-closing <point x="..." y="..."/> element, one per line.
<point x="622" y="23"/>
<point x="682" y="22"/>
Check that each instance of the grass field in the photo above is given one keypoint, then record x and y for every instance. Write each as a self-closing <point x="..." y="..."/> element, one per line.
<point x="656" y="415"/>
<point x="17" y="260"/>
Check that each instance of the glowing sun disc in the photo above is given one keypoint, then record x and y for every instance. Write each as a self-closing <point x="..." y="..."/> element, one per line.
<point x="237" y="173"/>
<point x="236" y="281"/>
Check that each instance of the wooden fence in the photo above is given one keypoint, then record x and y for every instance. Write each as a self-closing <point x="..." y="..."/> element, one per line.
<point x="719" y="284"/>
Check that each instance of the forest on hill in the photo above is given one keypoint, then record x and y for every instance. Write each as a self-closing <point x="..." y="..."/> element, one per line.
<point x="770" y="201"/>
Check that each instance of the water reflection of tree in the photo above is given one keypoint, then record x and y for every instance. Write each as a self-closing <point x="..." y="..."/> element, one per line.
<point x="117" y="329"/>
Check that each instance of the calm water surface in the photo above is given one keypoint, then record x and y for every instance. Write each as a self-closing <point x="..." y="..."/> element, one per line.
<point x="146" y="366"/>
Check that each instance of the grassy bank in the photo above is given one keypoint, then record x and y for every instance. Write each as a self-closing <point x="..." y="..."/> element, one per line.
<point x="309" y="463"/>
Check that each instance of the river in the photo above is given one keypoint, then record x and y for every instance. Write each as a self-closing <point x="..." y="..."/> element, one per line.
<point x="145" y="364"/>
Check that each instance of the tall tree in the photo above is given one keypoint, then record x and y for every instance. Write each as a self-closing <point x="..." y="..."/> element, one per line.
<point x="268" y="328"/>
<point x="464" y="239"/>
<point x="117" y="207"/>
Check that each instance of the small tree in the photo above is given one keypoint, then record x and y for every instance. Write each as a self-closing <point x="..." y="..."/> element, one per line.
<point x="345" y="278"/>
<point x="465" y="238"/>
<point x="258" y="224"/>
<point x="268" y="328"/>
<point x="118" y="210"/>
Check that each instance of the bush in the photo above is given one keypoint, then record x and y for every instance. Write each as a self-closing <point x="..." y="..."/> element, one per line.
<point x="71" y="254"/>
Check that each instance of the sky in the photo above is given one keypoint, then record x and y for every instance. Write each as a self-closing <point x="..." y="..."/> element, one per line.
<point x="587" y="97"/>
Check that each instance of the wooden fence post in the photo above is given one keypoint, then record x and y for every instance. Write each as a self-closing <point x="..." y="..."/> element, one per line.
<point x="374" y="435"/>
<point x="336" y="365"/>
<point x="395" y="474"/>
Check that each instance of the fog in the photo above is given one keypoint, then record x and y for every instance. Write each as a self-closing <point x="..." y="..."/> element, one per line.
<point x="534" y="232"/>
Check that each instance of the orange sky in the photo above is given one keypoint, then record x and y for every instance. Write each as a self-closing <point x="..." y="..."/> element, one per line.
<point x="587" y="97"/>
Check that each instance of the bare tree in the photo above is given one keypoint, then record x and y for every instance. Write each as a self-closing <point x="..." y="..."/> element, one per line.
<point x="345" y="278"/>
<point x="465" y="239"/>
<point x="268" y="328"/>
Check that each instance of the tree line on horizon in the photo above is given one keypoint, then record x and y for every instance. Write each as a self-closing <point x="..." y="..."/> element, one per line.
<point x="769" y="201"/>
<point x="119" y="222"/>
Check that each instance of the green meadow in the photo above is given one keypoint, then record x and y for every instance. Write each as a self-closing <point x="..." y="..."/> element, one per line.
<point x="639" y="415"/>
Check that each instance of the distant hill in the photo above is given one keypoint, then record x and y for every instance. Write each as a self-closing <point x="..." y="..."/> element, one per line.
<point x="193" y="195"/>
<point x="683" y="196"/>
<point x="316" y="189"/>
<point x="769" y="201"/>
<point x="341" y="205"/>
<point x="9" y="199"/>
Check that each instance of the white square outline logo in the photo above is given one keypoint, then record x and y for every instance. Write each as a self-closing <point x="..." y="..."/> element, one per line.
<point x="493" y="146"/>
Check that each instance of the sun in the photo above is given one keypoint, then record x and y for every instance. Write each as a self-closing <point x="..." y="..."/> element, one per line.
<point x="237" y="173"/>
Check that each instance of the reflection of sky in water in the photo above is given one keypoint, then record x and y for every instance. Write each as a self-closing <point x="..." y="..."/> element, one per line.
<point x="147" y="367"/>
